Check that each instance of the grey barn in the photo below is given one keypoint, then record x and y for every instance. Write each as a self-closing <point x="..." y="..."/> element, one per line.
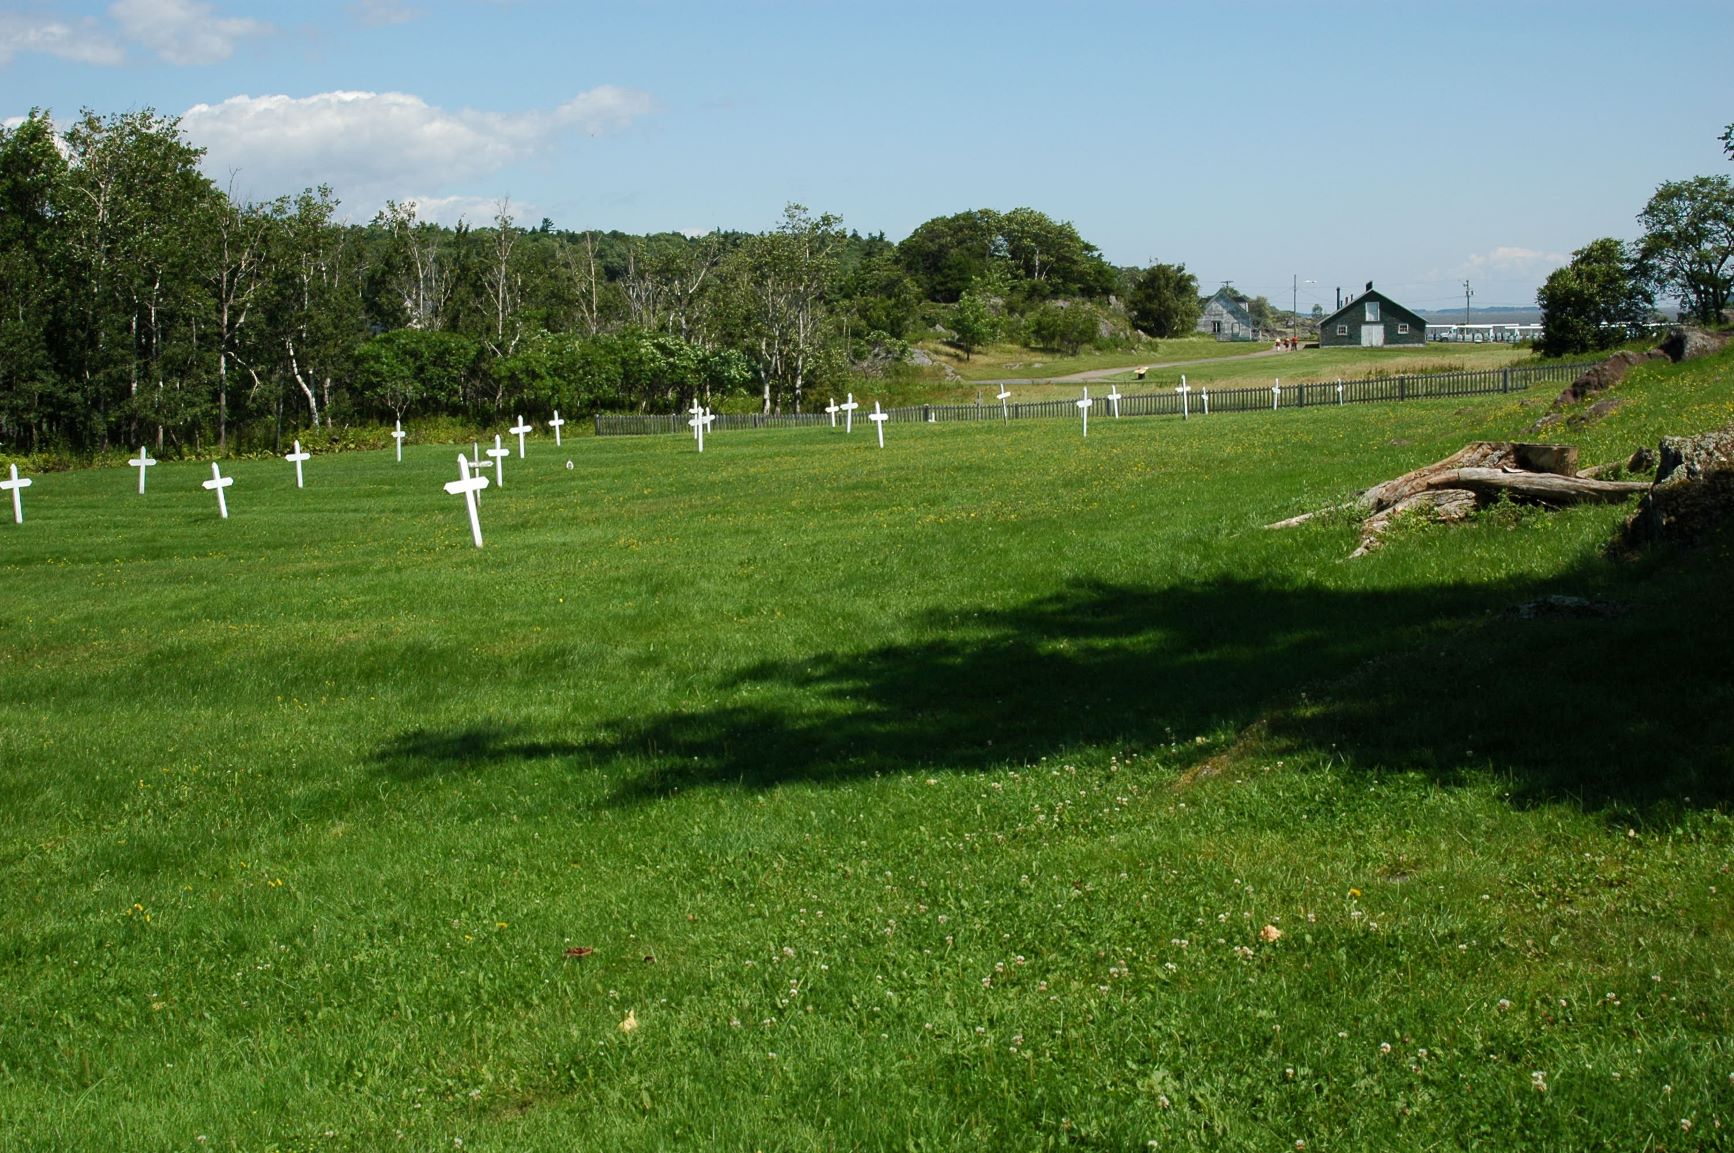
<point x="1371" y="320"/>
<point x="1226" y="318"/>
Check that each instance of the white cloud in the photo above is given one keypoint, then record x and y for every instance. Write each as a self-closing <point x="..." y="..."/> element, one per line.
<point x="380" y="13"/>
<point x="374" y="146"/>
<point x="183" y="31"/>
<point x="1514" y="263"/>
<point x="478" y="210"/>
<point x="605" y="108"/>
<point x="82" y="43"/>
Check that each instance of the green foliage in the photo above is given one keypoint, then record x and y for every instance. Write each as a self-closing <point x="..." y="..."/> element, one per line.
<point x="1592" y="302"/>
<point x="973" y="323"/>
<point x="1040" y="257"/>
<point x="396" y="370"/>
<point x="1164" y="301"/>
<point x="1062" y="327"/>
<point x="1688" y="244"/>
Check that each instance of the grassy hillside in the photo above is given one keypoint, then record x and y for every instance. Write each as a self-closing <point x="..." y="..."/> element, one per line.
<point x="997" y="789"/>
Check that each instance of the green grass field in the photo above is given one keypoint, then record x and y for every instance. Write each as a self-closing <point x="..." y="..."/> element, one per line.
<point x="926" y="798"/>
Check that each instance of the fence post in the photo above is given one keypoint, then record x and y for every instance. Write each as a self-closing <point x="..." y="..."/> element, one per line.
<point x="1402" y="388"/>
<point x="1505" y="380"/>
<point x="598" y="424"/>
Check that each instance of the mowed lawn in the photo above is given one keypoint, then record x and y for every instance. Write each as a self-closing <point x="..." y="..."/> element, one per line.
<point x="999" y="789"/>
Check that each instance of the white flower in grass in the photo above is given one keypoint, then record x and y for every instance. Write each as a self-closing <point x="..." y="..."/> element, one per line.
<point x="1538" y="1081"/>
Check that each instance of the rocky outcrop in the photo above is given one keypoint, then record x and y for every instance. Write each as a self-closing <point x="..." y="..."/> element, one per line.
<point x="1694" y="489"/>
<point x="1687" y="343"/>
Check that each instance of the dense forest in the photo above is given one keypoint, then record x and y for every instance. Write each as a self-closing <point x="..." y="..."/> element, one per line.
<point x="140" y="302"/>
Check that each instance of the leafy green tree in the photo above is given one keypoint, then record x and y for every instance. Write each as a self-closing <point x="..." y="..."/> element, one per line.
<point x="782" y="281"/>
<point x="1164" y="301"/>
<point x="1592" y="302"/>
<point x="1687" y="249"/>
<point x="974" y="323"/>
<point x="1051" y="259"/>
<point x="1728" y="141"/>
<point x="1063" y="327"/>
<point x="947" y="254"/>
<point x="32" y="288"/>
<point x="396" y="370"/>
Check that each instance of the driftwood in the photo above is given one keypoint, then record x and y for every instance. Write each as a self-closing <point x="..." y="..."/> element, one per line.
<point x="1475" y="476"/>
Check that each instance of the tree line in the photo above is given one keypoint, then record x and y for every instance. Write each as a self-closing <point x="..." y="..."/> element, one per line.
<point x="141" y="302"/>
<point x="1610" y="286"/>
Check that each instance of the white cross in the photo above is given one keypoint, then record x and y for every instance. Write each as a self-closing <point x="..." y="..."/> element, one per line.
<point x="1207" y="402"/>
<point x="879" y="418"/>
<point x="555" y="425"/>
<point x="1275" y="393"/>
<point x="398" y="436"/>
<point x="1339" y="392"/>
<point x="833" y="409"/>
<point x="17" y="486"/>
<point x="1114" y="399"/>
<point x="1084" y="404"/>
<point x="476" y="460"/>
<point x="296" y="458"/>
<point x="219" y="482"/>
<point x="1004" y="395"/>
<point x="142" y="462"/>
<point x="499" y="454"/>
<point x="849" y="408"/>
<point x="1184" y="390"/>
<point x="469" y="486"/>
<point x="700" y="421"/>
<point x="697" y="411"/>
<point x="519" y="430"/>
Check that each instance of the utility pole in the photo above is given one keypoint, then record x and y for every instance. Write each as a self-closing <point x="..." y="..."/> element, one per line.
<point x="1467" y="293"/>
<point x="1293" y="306"/>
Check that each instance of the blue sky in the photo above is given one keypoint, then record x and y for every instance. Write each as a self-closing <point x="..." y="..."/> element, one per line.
<point x="1415" y="146"/>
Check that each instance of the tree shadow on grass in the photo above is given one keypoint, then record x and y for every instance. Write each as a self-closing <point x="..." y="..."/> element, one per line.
<point x="1624" y="703"/>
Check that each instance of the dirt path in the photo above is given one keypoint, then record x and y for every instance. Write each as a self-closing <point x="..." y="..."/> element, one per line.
<point x="1103" y="373"/>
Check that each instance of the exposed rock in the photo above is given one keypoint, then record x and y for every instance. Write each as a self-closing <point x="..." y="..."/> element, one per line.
<point x="1600" y="378"/>
<point x="1566" y="606"/>
<point x="920" y="358"/>
<point x="1687" y="343"/>
<point x="1694" y="489"/>
<point x="1601" y="408"/>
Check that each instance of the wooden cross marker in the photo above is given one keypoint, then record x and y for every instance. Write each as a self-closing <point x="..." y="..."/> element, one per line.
<point x="555" y="425"/>
<point x="849" y="406"/>
<point x="1339" y="392"/>
<point x="520" y="430"/>
<point x="1207" y="402"/>
<point x="697" y="411"/>
<point x="1184" y="390"/>
<point x="832" y="410"/>
<point x="141" y="462"/>
<point x="17" y="486"/>
<point x="296" y="458"/>
<point x="476" y="460"/>
<point x="879" y="418"/>
<point x="1004" y="395"/>
<point x="469" y="486"/>
<point x="700" y="421"/>
<point x="499" y="455"/>
<point x="1084" y="404"/>
<point x="218" y="483"/>
<point x="1275" y="394"/>
<point x="398" y="434"/>
<point x="1114" y="399"/>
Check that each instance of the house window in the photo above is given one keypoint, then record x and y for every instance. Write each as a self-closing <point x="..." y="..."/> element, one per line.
<point x="1342" y="330"/>
<point x="1402" y="330"/>
<point x="1372" y="312"/>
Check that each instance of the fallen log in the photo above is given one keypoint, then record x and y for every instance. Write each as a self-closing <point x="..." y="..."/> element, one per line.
<point x="1474" y="476"/>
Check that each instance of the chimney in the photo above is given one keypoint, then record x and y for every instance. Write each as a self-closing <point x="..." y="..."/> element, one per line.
<point x="1369" y="286"/>
<point x="1339" y="297"/>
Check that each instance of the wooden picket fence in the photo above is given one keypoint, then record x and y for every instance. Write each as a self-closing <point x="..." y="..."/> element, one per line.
<point x="1200" y="400"/>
